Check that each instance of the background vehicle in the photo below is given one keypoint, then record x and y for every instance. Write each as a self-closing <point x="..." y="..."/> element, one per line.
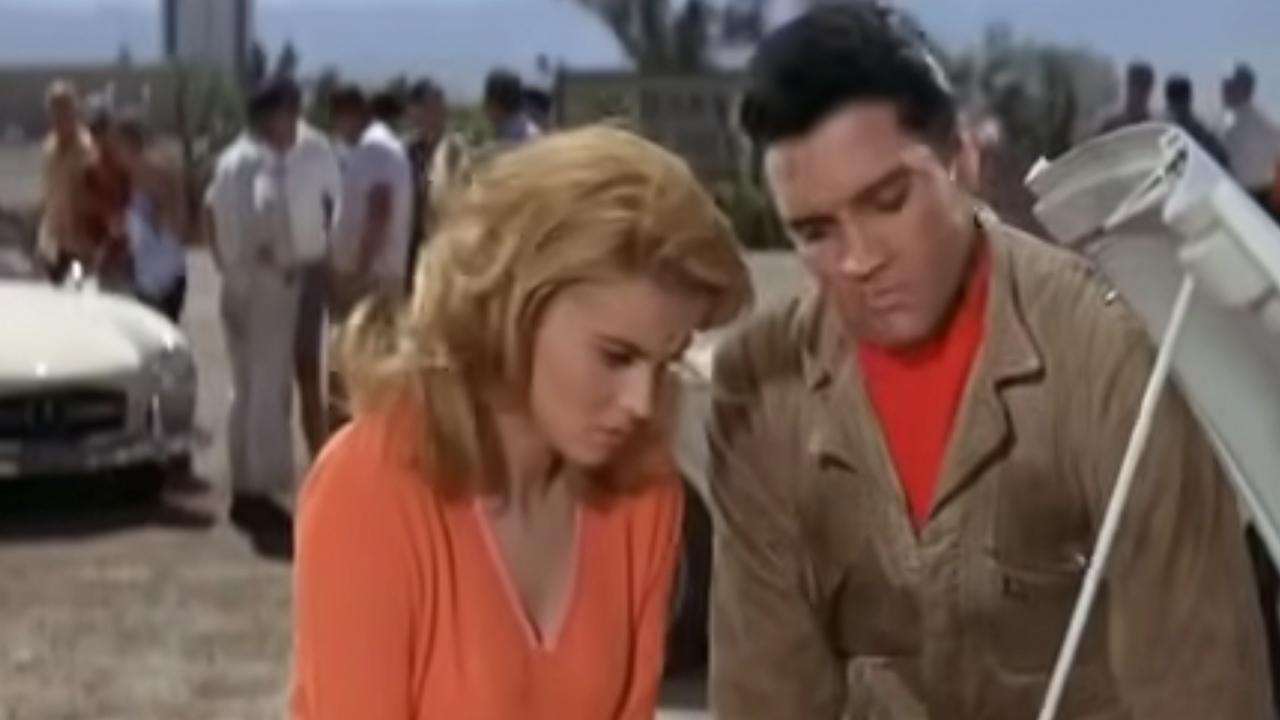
<point x="89" y="381"/>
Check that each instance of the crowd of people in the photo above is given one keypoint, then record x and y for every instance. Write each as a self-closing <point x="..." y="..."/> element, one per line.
<point x="111" y="205"/>
<point x="302" y="225"/>
<point x="908" y="464"/>
<point x="1245" y="141"/>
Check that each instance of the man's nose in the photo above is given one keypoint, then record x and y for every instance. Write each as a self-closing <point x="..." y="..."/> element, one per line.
<point x="860" y="255"/>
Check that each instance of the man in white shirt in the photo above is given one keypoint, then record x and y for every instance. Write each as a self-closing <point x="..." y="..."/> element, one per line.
<point x="375" y="209"/>
<point x="314" y="183"/>
<point x="1251" y="139"/>
<point x="250" y="218"/>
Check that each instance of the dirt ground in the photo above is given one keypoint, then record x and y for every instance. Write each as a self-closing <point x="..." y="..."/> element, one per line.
<point x="111" y="609"/>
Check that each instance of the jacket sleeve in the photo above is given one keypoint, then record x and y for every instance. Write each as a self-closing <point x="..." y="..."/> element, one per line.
<point x="1186" y="637"/>
<point x="770" y="659"/>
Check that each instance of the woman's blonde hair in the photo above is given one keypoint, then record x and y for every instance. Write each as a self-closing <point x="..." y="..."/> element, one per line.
<point x="597" y="203"/>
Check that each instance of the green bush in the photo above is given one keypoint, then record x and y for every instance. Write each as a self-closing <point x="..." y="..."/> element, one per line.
<point x="752" y="214"/>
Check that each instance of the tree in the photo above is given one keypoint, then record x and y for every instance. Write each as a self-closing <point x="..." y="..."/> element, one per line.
<point x="1041" y="97"/>
<point x="257" y="67"/>
<point x="287" y="61"/>
<point x="321" y="91"/>
<point x="669" y="36"/>
<point x="208" y="112"/>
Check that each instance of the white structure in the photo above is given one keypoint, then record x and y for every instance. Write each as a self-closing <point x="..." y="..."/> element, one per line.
<point x="217" y="33"/>
<point x="1199" y="261"/>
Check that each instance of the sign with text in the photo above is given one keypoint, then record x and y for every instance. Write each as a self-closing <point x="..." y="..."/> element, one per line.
<point x="691" y="115"/>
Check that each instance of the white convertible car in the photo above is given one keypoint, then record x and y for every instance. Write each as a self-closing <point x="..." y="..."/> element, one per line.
<point x="89" y="381"/>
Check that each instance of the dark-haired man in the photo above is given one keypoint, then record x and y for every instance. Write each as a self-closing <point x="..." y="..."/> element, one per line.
<point x="1251" y="139"/>
<point x="435" y="153"/>
<point x="249" y="218"/>
<point x="505" y="107"/>
<point x="910" y="464"/>
<point x="1139" y="84"/>
<point x="1179" y="101"/>
<point x="375" y="212"/>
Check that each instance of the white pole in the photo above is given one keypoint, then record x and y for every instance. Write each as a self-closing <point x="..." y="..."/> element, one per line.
<point x="1119" y="498"/>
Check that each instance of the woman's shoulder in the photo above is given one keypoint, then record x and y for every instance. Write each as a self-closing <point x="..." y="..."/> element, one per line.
<point x="371" y="459"/>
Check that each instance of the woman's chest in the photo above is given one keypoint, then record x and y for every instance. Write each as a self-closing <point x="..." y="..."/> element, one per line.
<point x="487" y="659"/>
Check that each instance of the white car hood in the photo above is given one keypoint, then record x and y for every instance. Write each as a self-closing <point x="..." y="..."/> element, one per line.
<point x="1151" y="208"/>
<point x="50" y="333"/>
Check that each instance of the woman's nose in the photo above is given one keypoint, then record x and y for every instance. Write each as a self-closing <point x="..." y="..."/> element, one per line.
<point x="637" y="392"/>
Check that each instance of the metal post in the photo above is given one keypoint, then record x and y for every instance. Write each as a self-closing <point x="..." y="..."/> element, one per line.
<point x="1119" y="498"/>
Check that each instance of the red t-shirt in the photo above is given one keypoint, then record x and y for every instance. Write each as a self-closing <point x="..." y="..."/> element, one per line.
<point x="916" y="393"/>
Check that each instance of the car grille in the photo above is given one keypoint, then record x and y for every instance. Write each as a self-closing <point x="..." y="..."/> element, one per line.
<point x="61" y="415"/>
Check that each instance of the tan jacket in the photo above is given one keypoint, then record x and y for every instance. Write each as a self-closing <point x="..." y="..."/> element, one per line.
<point x="825" y="599"/>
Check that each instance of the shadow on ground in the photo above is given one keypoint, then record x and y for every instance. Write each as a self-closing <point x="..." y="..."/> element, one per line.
<point x="687" y="692"/>
<point x="90" y="505"/>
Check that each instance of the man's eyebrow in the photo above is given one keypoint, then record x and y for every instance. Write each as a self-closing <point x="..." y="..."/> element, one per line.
<point x="894" y="174"/>
<point x="890" y="177"/>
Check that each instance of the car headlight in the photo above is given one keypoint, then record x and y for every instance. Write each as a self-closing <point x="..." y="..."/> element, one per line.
<point x="171" y="370"/>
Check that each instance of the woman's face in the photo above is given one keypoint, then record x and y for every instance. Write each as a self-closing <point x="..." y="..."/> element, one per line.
<point x="600" y="358"/>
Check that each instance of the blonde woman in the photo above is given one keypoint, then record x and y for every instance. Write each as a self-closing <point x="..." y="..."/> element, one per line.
<point x="494" y="534"/>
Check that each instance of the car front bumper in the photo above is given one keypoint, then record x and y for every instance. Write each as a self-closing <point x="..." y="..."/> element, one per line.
<point x="101" y="455"/>
<point x="158" y="427"/>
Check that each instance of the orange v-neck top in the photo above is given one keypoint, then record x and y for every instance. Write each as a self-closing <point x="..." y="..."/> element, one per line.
<point x="404" y="609"/>
<point x="916" y="393"/>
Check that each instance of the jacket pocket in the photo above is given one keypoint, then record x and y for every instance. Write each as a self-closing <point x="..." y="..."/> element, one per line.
<point x="1029" y="610"/>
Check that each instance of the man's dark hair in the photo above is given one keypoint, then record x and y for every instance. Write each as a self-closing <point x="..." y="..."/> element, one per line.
<point x="1243" y="77"/>
<point x="1140" y="74"/>
<point x="1178" y="92"/>
<point x="426" y="90"/>
<point x="276" y="95"/>
<point x="387" y="106"/>
<point x="504" y="91"/>
<point x="538" y="101"/>
<point x="348" y="99"/>
<point x="834" y="55"/>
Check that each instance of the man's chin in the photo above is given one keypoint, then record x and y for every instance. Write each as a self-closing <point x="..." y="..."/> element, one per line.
<point x="895" y="334"/>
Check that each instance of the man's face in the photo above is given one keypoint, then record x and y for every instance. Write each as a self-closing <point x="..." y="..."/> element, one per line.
<point x="281" y="128"/>
<point x="880" y="218"/>
<point x="427" y="116"/>
<point x="1140" y="86"/>
<point x="346" y="126"/>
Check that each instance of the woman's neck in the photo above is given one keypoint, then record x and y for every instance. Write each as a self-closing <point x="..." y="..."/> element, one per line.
<point x="530" y="464"/>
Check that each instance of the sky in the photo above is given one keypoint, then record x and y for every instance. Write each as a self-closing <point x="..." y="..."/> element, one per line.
<point x="458" y="40"/>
